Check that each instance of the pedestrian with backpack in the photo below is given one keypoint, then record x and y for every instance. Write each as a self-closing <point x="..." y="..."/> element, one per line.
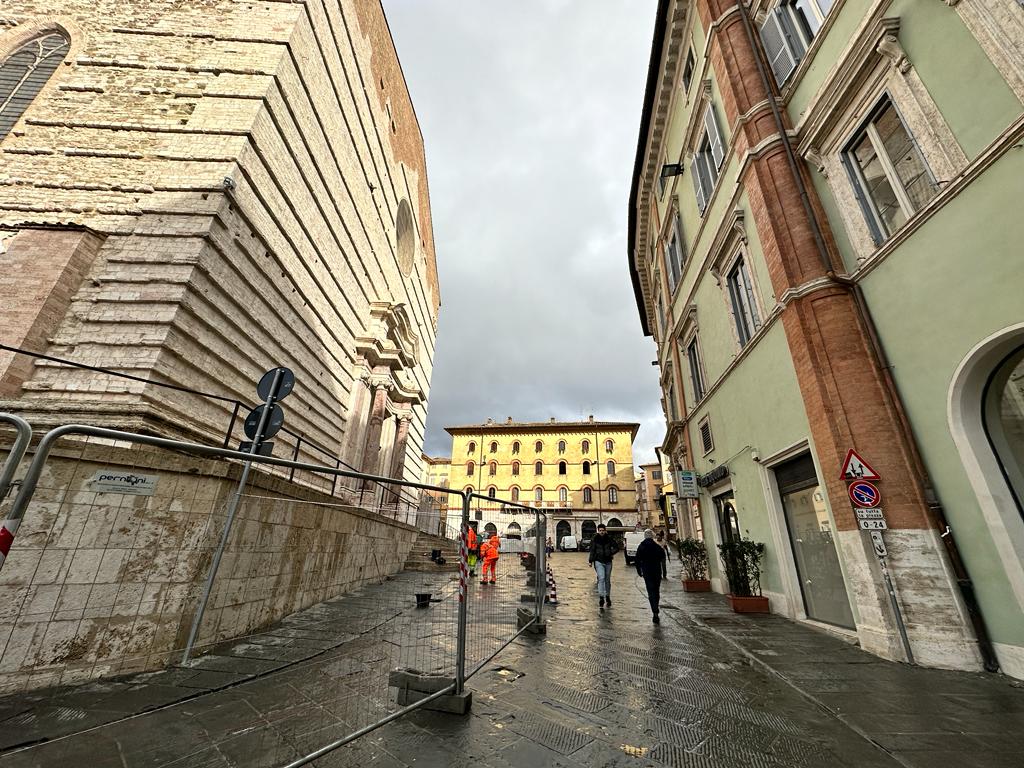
<point x="651" y="565"/>
<point x="602" y="552"/>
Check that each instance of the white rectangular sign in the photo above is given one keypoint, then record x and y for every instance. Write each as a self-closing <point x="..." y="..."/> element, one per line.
<point x="872" y="525"/>
<point x="119" y="481"/>
<point x="871" y="513"/>
<point x="879" y="543"/>
<point x="686" y="484"/>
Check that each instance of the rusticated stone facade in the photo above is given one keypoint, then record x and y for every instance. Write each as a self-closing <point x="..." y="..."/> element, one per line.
<point x="251" y="184"/>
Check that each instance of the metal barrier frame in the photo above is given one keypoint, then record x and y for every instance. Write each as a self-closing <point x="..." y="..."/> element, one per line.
<point x="9" y="527"/>
<point x="46" y="445"/>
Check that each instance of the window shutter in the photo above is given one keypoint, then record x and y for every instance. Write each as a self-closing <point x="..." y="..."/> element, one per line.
<point x="680" y="243"/>
<point x="707" y="443"/>
<point x="698" y="186"/>
<point x="714" y="135"/>
<point x="778" y="46"/>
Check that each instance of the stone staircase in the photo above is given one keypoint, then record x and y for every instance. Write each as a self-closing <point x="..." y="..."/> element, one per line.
<point x="419" y="555"/>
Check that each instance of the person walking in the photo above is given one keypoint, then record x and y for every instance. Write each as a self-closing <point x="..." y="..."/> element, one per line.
<point x="471" y="549"/>
<point x="493" y="546"/>
<point x="651" y="564"/>
<point x="663" y="543"/>
<point x="602" y="552"/>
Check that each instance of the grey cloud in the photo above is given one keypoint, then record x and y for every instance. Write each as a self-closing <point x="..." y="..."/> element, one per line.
<point x="529" y="113"/>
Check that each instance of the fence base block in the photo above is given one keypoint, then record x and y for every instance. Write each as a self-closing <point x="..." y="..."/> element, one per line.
<point x="453" y="703"/>
<point x="528" y="597"/>
<point x="414" y="686"/>
<point x="523" y="618"/>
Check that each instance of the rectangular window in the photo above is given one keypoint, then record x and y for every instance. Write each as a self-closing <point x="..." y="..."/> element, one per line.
<point x="788" y="32"/>
<point x="670" y="401"/>
<point x="688" y="71"/>
<point x="661" y="316"/>
<point x="707" y="442"/>
<point x="889" y="174"/>
<point x="675" y="254"/>
<point x="741" y="297"/>
<point x="656" y="474"/>
<point x="707" y="160"/>
<point x="696" y="369"/>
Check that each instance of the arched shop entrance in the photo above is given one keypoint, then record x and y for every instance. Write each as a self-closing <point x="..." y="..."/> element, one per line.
<point x="562" y="529"/>
<point x="615" y="523"/>
<point x="589" y="529"/>
<point x="514" y="531"/>
<point x="490" y="528"/>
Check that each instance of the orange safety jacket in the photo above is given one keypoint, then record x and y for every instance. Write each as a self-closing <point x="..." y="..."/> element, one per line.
<point x="471" y="539"/>
<point x="493" y="548"/>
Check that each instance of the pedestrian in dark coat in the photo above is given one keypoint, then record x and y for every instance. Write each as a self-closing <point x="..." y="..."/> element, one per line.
<point x="650" y="563"/>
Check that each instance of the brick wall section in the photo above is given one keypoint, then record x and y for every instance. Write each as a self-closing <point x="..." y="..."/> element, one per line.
<point x="40" y="272"/>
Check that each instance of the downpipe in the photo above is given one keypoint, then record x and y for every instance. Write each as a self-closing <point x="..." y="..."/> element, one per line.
<point x="936" y="511"/>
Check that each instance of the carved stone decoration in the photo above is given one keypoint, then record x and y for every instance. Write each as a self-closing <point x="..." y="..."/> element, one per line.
<point x="814" y="157"/>
<point x="389" y="338"/>
<point x="889" y="46"/>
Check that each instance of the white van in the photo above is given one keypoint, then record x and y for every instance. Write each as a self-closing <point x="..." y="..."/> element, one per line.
<point x="568" y="544"/>
<point x="633" y="539"/>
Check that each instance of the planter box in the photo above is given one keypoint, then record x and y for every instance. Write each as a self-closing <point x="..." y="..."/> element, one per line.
<point x="696" y="585"/>
<point x="749" y="604"/>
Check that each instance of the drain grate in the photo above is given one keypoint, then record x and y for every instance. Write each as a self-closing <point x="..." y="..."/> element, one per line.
<point x="549" y="734"/>
<point x="758" y="717"/>
<point x="581" y="700"/>
<point x="677" y="757"/>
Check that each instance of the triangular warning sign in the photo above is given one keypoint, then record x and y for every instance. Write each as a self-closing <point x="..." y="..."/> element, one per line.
<point x="855" y="468"/>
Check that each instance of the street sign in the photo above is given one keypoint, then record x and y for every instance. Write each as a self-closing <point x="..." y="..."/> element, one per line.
<point x="864" y="494"/>
<point x="878" y="543"/>
<point x="872" y="525"/>
<point x="271" y="428"/>
<point x="686" y="484"/>
<point x="872" y="513"/>
<point x="284" y="385"/>
<point x="855" y="468"/>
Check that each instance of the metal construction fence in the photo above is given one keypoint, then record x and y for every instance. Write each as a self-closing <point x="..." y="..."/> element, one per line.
<point x="304" y="618"/>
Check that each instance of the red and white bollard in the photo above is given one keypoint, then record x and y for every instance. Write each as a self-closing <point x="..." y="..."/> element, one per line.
<point x="552" y="596"/>
<point x="7" y="530"/>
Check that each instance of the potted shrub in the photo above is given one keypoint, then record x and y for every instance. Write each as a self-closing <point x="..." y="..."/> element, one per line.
<point x="694" y="557"/>
<point x="742" y="561"/>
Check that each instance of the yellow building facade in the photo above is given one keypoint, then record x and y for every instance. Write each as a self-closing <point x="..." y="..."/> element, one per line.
<point x="581" y="473"/>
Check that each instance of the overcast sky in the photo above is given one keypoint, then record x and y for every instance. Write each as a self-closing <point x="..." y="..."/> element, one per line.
<point x="530" y="113"/>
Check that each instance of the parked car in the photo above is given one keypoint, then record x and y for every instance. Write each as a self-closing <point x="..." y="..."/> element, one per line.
<point x="585" y="545"/>
<point x="568" y="544"/>
<point x="511" y="545"/>
<point x="633" y="539"/>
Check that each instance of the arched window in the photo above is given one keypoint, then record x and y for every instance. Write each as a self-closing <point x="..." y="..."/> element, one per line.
<point x="586" y="446"/>
<point x="609" y="446"/>
<point x="586" y="467"/>
<point x="538" y="468"/>
<point x="561" y="446"/>
<point x="610" y="466"/>
<point x="588" y="494"/>
<point x="470" y="466"/>
<point x="468" y="489"/>
<point x="563" y="494"/>
<point x="515" y="493"/>
<point x="515" y="467"/>
<point x="613" y="494"/>
<point x="24" y="73"/>
<point x="515" y="447"/>
<point x="514" y="529"/>
<point x="562" y="467"/>
<point x="492" y="492"/>
<point x="492" y="468"/>
<point x="490" y="528"/>
<point x="494" y="447"/>
<point x="471" y="448"/>
<point x="538" y="446"/>
<point x="538" y="493"/>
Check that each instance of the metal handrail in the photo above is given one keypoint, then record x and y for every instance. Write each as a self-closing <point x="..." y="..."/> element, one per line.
<point x="17" y="452"/>
<point x="237" y="405"/>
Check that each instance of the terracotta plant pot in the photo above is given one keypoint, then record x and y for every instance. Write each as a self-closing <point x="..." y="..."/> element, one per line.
<point x="757" y="604"/>
<point x="696" y="585"/>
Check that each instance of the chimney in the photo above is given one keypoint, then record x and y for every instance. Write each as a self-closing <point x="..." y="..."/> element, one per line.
<point x="552" y="419"/>
<point x="508" y="420"/>
<point x="591" y="418"/>
<point x="489" y="422"/>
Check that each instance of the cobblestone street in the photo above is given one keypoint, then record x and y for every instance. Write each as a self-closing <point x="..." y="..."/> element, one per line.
<point x="705" y="689"/>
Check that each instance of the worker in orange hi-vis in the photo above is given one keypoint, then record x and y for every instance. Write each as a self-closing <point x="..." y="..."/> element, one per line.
<point x="471" y="549"/>
<point x="491" y="560"/>
<point x="485" y="547"/>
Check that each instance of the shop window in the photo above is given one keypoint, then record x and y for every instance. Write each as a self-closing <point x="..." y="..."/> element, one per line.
<point x="1003" y="418"/>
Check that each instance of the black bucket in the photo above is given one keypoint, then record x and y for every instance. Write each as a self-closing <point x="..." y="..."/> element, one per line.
<point x="423" y="599"/>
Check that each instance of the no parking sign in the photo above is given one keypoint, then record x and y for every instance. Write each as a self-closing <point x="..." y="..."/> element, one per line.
<point x="864" y="494"/>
